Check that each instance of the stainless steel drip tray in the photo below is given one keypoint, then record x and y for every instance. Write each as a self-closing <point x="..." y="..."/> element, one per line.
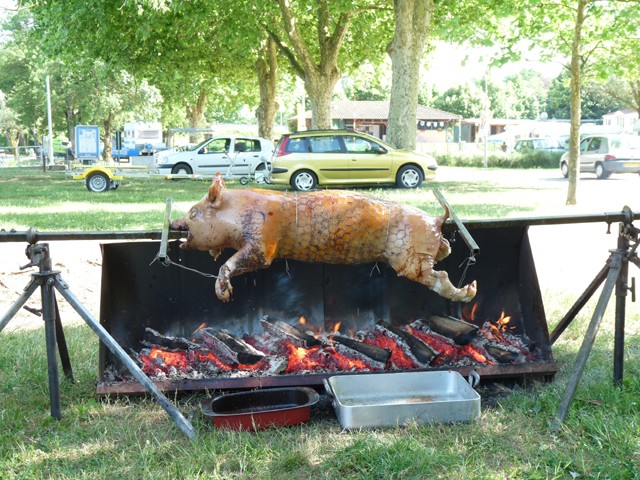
<point x="396" y="399"/>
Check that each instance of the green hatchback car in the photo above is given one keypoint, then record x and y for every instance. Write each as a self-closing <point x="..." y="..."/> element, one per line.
<point x="306" y="160"/>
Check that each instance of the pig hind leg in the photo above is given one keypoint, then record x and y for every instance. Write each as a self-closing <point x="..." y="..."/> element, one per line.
<point x="421" y="270"/>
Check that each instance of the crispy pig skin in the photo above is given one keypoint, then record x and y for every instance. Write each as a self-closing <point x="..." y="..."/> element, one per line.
<point x="335" y="227"/>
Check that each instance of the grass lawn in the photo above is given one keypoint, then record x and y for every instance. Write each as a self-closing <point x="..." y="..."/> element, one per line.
<point x="134" y="438"/>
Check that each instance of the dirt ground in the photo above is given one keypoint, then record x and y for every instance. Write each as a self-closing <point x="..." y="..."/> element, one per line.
<point x="567" y="256"/>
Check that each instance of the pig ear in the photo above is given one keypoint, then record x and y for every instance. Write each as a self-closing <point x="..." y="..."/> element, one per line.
<point x="215" y="190"/>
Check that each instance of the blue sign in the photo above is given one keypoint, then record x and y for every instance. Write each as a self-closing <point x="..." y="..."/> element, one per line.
<point x="87" y="141"/>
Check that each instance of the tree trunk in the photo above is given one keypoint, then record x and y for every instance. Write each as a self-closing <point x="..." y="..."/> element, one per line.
<point x="412" y="26"/>
<point x="576" y="112"/>
<point x="107" y="123"/>
<point x="320" y="77"/>
<point x="319" y="87"/>
<point x="195" y="114"/>
<point x="267" y="67"/>
<point x="14" y="141"/>
<point x="635" y="92"/>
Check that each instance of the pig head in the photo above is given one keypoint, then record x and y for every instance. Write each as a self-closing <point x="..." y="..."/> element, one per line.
<point x="335" y="227"/>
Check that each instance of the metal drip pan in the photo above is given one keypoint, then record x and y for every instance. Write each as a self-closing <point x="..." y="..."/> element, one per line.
<point x="395" y="399"/>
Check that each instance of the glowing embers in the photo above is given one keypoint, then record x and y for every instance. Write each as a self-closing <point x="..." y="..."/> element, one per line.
<point x="284" y="349"/>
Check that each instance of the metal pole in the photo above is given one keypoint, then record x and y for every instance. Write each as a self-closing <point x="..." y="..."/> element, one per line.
<point x="589" y="338"/>
<point x="486" y="123"/>
<point x="621" y="298"/>
<point x="17" y="305"/>
<point x="581" y="302"/>
<point x="119" y="352"/>
<point x="50" y="139"/>
<point x="48" y="313"/>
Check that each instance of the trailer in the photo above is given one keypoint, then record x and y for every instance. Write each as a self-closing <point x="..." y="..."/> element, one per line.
<point x="102" y="178"/>
<point x="99" y="178"/>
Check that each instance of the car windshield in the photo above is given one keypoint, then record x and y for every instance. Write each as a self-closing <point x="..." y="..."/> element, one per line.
<point x="199" y="146"/>
<point x="630" y="142"/>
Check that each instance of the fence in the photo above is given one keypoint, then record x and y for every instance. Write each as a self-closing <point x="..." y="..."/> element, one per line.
<point x="458" y="148"/>
<point x="26" y="156"/>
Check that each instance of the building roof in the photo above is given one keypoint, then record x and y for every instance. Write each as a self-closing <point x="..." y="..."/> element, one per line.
<point x="379" y="110"/>
<point x="622" y="111"/>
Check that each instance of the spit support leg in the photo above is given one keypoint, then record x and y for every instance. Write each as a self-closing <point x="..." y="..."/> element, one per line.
<point x="616" y="272"/>
<point x="49" y="280"/>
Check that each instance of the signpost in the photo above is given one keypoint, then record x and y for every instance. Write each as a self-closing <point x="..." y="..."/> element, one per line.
<point x="87" y="143"/>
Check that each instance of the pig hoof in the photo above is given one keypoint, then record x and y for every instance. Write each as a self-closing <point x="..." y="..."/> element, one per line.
<point x="466" y="293"/>
<point x="224" y="290"/>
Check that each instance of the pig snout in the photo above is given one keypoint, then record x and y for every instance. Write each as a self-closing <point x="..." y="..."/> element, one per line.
<point x="178" y="225"/>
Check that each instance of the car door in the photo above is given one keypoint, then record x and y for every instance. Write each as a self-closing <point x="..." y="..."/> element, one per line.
<point x="212" y="157"/>
<point x="246" y="154"/>
<point x="328" y="159"/>
<point x="591" y="151"/>
<point x="368" y="160"/>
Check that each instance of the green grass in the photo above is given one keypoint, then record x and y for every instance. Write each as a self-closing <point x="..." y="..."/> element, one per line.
<point x="134" y="438"/>
<point x="52" y="202"/>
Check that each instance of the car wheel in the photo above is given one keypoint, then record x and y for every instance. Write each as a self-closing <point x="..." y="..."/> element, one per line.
<point x="601" y="173"/>
<point x="564" y="168"/>
<point x="261" y="175"/>
<point x="304" y="181"/>
<point x="409" y="176"/>
<point x="98" y="182"/>
<point x="181" y="169"/>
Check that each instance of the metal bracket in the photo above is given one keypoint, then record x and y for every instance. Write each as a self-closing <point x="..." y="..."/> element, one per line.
<point x="466" y="236"/>
<point x="162" y="256"/>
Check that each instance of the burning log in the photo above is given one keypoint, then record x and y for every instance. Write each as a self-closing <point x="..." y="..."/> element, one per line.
<point x="459" y="331"/>
<point x="294" y="335"/>
<point x="152" y="338"/>
<point x="375" y="357"/>
<point x="419" y="351"/>
<point x="230" y="349"/>
<point x="501" y="355"/>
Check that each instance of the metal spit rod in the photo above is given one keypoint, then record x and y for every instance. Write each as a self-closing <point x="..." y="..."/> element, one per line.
<point x="466" y="236"/>
<point x="162" y="256"/>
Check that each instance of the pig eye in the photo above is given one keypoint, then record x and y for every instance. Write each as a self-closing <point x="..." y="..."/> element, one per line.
<point x="193" y="213"/>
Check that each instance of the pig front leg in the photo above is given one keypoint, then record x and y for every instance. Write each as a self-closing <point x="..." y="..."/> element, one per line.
<point x="247" y="259"/>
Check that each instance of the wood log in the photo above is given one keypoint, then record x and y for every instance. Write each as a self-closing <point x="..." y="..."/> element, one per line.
<point x="153" y="338"/>
<point x="229" y="349"/>
<point x="500" y="355"/>
<point x="459" y="331"/>
<point x="422" y="353"/>
<point x="375" y="357"/>
<point x="291" y="333"/>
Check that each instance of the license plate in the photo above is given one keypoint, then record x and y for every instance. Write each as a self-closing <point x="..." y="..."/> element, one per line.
<point x="633" y="164"/>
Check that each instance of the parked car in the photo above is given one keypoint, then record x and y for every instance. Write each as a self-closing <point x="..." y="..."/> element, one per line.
<point x="606" y="154"/>
<point x="307" y="159"/>
<point x="231" y="155"/>
<point x="537" y="144"/>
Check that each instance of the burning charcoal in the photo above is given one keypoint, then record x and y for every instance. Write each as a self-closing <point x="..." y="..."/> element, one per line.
<point x="459" y="331"/>
<point x="284" y="330"/>
<point x="153" y="338"/>
<point x="377" y="356"/>
<point x="276" y="365"/>
<point x="422" y="353"/>
<point x="500" y="355"/>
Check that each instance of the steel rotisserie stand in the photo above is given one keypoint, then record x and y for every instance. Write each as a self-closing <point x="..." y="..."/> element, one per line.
<point x="175" y="302"/>
<point x="136" y="294"/>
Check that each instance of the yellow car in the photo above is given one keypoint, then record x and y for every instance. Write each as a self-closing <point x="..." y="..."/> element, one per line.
<point x="308" y="159"/>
